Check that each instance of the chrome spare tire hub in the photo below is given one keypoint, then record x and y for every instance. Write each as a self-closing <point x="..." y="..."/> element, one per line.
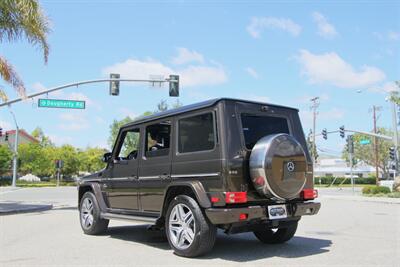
<point x="181" y="226"/>
<point x="87" y="213"/>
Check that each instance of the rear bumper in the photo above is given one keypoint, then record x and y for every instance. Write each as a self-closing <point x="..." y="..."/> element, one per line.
<point x="231" y="215"/>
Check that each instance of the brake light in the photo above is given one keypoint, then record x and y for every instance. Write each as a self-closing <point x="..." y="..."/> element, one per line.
<point x="235" y="197"/>
<point x="214" y="199"/>
<point x="243" y="216"/>
<point x="309" y="194"/>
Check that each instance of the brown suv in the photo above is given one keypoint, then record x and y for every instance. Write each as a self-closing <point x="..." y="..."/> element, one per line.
<point x="231" y="164"/>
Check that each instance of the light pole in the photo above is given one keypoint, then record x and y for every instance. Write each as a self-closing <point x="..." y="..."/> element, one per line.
<point x="15" y="158"/>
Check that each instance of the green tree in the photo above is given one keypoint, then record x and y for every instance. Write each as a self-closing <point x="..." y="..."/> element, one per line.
<point x="69" y="155"/>
<point x="5" y="159"/>
<point x="90" y="160"/>
<point x="43" y="139"/>
<point x="395" y="95"/>
<point x="366" y="153"/>
<point x="21" y="19"/>
<point x="311" y="148"/>
<point x="36" y="159"/>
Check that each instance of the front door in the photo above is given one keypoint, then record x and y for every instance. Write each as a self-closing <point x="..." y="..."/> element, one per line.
<point x="155" y="165"/>
<point x="123" y="184"/>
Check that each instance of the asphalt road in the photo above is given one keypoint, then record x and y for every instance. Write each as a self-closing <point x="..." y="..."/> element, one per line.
<point x="344" y="233"/>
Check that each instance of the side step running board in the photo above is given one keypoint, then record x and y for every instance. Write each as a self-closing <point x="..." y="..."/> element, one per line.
<point x="108" y="215"/>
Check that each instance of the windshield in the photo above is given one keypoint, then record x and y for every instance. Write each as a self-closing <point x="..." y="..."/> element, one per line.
<point x="256" y="127"/>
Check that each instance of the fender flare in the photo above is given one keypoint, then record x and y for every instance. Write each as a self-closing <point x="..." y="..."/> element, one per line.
<point x="95" y="188"/>
<point x="197" y="188"/>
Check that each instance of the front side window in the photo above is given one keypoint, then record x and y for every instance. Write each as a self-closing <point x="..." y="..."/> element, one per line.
<point x="158" y="138"/>
<point x="130" y="145"/>
<point x="196" y="133"/>
<point x="255" y="127"/>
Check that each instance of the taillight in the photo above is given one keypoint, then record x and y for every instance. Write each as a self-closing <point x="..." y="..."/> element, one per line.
<point x="235" y="197"/>
<point x="309" y="194"/>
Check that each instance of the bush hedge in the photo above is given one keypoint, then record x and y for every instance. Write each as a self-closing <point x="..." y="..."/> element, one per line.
<point x="373" y="190"/>
<point x="328" y="180"/>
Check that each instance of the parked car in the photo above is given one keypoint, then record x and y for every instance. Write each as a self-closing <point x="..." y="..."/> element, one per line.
<point x="231" y="164"/>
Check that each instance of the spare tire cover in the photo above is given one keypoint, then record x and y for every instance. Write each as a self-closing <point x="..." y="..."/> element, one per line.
<point x="278" y="166"/>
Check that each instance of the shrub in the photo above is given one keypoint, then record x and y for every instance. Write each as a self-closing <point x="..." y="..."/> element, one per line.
<point x="375" y="190"/>
<point x="329" y="179"/>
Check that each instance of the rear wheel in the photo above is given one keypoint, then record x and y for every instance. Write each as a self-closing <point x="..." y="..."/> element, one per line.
<point x="278" y="236"/>
<point x="89" y="215"/>
<point x="189" y="232"/>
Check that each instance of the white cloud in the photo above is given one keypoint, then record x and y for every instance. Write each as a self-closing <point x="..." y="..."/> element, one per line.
<point x="330" y="68"/>
<point x="6" y="125"/>
<point x="252" y="72"/>
<point x="60" y="140"/>
<point x="73" y="121"/>
<point x="192" y="75"/>
<point x="185" y="56"/>
<point x="328" y="115"/>
<point x="384" y="88"/>
<point x="325" y="29"/>
<point x="394" y="36"/>
<point x="126" y="112"/>
<point x="258" y="24"/>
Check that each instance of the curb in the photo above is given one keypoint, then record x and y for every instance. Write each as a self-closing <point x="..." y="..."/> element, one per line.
<point x="23" y="208"/>
<point x="366" y="199"/>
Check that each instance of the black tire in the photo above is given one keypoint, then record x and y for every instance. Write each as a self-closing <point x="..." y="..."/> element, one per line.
<point x="204" y="232"/>
<point x="279" y="236"/>
<point x="98" y="225"/>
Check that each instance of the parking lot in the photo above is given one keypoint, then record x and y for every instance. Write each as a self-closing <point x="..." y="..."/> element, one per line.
<point x="346" y="232"/>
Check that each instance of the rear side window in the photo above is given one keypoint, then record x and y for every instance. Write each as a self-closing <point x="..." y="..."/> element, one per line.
<point x="255" y="127"/>
<point x="196" y="133"/>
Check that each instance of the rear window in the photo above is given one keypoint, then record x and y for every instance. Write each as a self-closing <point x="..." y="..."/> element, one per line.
<point x="255" y="127"/>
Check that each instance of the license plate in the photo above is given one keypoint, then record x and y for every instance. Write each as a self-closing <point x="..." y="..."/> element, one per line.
<point x="277" y="212"/>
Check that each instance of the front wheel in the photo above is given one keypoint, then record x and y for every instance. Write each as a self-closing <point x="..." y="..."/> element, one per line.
<point x="278" y="236"/>
<point x="89" y="215"/>
<point x="189" y="233"/>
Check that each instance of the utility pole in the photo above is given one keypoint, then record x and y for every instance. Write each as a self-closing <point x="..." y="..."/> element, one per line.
<point x="375" y="109"/>
<point x="395" y="136"/>
<point x="314" y="106"/>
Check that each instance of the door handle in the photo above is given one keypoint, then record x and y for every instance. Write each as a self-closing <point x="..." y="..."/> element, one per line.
<point x="164" y="176"/>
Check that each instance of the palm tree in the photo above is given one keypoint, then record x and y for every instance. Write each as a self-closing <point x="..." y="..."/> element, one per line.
<point x="21" y="19"/>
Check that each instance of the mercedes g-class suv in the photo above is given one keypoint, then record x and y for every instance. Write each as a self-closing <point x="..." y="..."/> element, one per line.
<point x="231" y="164"/>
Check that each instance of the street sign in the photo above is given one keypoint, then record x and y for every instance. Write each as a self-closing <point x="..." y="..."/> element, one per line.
<point x="365" y="142"/>
<point x="59" y="103"/>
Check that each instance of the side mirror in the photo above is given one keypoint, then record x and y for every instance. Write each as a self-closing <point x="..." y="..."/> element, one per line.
<point x="106" y="157"/>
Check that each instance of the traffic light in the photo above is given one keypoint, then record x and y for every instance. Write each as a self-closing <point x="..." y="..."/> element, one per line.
<point x="6" y="137"/>
<point x="341" y="130"/>
<point x="174" y="85"/>
<point x="1" y="132"/>
<point x="59" y="163"/>
<point x="350" y="145"/>
<point x="392" y="153"/>
<point x="114" y="85"/>
<point x="325" y="134"/>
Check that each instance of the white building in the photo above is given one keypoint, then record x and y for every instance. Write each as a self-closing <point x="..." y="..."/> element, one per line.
<point x="338" y="167"/>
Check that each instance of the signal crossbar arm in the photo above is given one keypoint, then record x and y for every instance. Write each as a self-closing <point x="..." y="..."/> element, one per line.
<point x="81" y="83"/>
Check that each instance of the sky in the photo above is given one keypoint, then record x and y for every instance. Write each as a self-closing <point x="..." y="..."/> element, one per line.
<point x="346" y="53"/>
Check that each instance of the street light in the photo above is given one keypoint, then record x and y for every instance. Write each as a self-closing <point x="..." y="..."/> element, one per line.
<point x="15" y="158"/>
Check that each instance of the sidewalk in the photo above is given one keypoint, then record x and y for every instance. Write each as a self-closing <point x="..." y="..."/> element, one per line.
<point x="8" y="208"/>
<point x="22" y="200"/>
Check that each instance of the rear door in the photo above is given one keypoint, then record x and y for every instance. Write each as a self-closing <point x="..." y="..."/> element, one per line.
<point x="155" y="165"/>
<point x="123" y="191"/>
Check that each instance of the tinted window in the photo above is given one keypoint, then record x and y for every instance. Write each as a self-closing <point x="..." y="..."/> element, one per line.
<point x="158" y="138"/>
<point x="256" y="127"/>
<point x="196" y="133"/>
<point x="130" y="145"/>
